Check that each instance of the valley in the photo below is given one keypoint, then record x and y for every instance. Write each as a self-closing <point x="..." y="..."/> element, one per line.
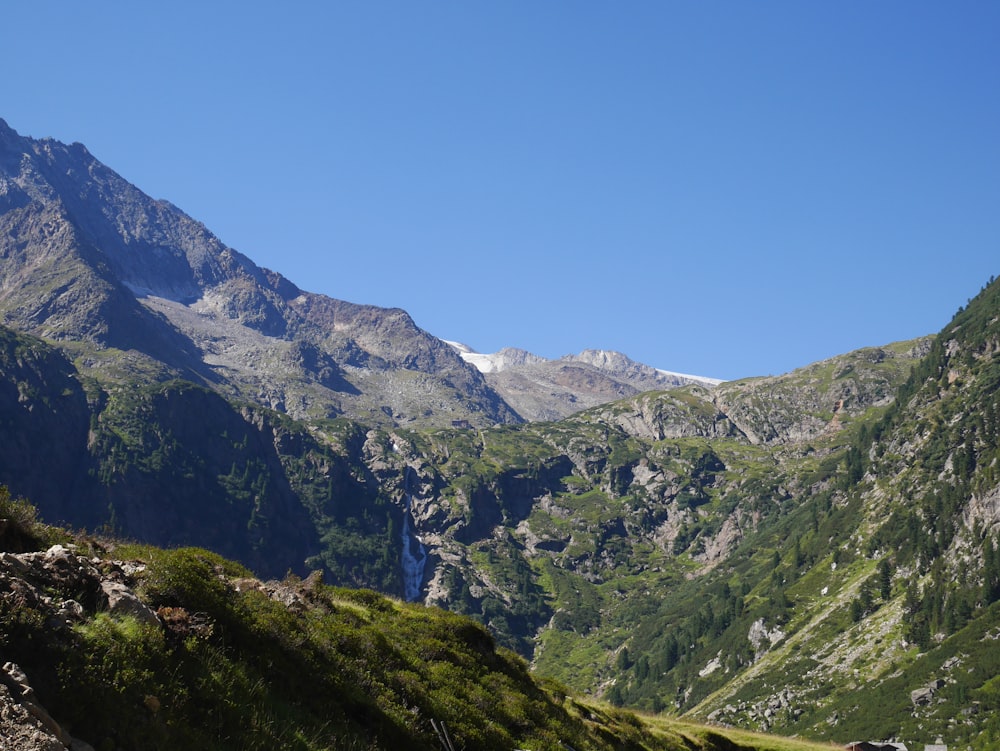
<point x="812" y="554"/>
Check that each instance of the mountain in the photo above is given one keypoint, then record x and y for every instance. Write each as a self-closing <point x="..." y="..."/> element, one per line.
<point x="870" y="608"/>
<point x="541" y="389"/>
<point x="133" y="288"/>
<point x="815" y="552"/>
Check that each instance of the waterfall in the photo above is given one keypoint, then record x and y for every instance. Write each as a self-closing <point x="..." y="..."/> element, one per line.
<point x="414" y="555"/>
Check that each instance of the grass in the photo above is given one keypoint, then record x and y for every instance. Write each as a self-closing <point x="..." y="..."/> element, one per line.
<point x="682" y="734"/>
<point x="234" y="668"/>
<point x="749" y="739"/>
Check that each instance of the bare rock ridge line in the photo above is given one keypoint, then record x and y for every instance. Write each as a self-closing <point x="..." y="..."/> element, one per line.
<point x="542" y="389"/>
<point x="133" y="286"/>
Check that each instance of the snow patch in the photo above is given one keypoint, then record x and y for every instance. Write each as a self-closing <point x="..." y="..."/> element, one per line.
<point x="482" y="363"/>
<point x="699" y="379"/>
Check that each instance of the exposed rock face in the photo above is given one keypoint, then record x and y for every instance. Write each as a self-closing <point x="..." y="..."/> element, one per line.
<point x="122" y="601"/>
<point x="810" y="401"/>
<point x="642" y="376"/>
<point x="681" y="414"/>
<point x="20" y="723"/>
<point x="87" y="258"/>
<point x="922" y="696"/>
<point x="541" y="389"/>
<point x="763" y="639"/>
<point x="984" y="510"/>
<point x="65" y="586"/>
<point x="25" y="724"/>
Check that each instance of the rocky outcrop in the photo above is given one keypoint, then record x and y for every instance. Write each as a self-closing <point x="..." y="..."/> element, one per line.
<point x="25" y="724"/>
<point x="683" y="413"/>
<point x="542" y="389"/>
<point x="66" y="587"/>
<point x="808" y="402"/>
<point x="147" y="292"/>
<point x="762" y="638"/>
<point x="923" y="696"/>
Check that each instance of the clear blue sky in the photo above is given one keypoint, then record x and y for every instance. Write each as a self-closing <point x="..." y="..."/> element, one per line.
<point x="719" y="188"/>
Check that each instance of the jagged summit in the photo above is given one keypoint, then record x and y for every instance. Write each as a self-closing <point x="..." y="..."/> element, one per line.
<point x="543" y="389"/>
<point x="619" y="363"/>
<point x="96" y="264"/>
<point x="100" y="266"/>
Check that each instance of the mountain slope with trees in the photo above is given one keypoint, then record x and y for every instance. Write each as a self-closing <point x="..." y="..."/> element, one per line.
<point x="127" y="646"/>
<point x="814" y="552"/>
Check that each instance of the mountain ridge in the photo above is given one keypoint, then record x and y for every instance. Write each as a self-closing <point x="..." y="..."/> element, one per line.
<point x="815" y="552"/>
<point x="542" y="389"/>
<point x="93" y="262"/>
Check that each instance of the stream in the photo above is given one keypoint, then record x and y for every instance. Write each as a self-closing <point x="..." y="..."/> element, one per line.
<point x="414" y="557"/>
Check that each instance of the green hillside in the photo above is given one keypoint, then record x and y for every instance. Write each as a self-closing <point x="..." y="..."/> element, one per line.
<point x="814" y="553"/>
<point x="130" y="647"/>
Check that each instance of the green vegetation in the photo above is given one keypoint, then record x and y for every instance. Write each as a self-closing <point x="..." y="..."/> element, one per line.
<point x="233" y="663"/>
<point x="763" y="553"/>
<point x="20" y="529"/>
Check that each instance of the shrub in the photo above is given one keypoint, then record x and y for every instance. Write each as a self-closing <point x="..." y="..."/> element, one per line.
<point x="20" y="531"/>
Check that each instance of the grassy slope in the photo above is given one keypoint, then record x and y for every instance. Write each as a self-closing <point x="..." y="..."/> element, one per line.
<point x="235" y="663"/>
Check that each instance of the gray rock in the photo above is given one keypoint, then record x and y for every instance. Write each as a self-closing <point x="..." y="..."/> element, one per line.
<point x="24" y="723"/>
<point x="70" y="611"/>
<point x="21" y="730"/>
<point x="122" y="601"/>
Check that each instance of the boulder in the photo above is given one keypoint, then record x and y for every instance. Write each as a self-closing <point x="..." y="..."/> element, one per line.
<point x="123" y="601"/>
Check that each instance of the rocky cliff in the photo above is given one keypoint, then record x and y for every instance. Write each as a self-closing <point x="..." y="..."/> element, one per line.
<point x="132" y="287"/>
<point x="541" y="389"/>
<point x="808" y="552"/>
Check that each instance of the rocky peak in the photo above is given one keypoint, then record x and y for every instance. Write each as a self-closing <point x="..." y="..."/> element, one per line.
<point x="7" y="136"/>
<point x="640" y="375"/>
<point x="604" y="358"/>
<point x="91" y="260"/>
<point x="542" y="389"/>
